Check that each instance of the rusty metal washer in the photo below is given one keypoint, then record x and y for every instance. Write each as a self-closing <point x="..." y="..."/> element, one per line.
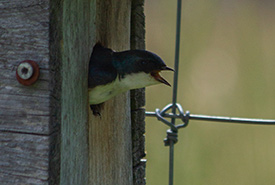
<point x="27" y="72"/>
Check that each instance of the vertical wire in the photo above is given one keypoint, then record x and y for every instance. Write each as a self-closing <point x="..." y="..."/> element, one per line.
<point x="171" y="163"/>
<point x="176" y="66"/>
<point x="175" y="89"/>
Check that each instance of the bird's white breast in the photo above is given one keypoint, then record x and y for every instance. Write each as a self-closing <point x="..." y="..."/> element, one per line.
<point x="102" y="93"/>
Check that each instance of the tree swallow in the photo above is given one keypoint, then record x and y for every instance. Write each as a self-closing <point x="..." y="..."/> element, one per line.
<point x="111" y="73"/>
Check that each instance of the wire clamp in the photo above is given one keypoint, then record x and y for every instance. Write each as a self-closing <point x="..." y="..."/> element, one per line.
<point x="172" y="133"/>
<point x="171" y="136"/>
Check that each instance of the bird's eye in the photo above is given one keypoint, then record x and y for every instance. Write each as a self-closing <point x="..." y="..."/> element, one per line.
<point x="143" y="62"/>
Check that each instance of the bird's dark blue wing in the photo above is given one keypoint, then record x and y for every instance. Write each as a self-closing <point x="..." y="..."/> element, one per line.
<point x="101" y="69"/>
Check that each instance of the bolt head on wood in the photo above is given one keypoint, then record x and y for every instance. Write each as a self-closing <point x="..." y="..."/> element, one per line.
<point x="27" y="72"/>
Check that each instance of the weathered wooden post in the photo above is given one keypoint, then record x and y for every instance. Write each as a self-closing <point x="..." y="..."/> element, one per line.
<point x="47" y="132"/>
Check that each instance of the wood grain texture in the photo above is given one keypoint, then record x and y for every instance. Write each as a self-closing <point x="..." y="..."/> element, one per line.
<point x="138" y="142"/>
<point x="138" y="97"/>
<point x="24" y="35"/>
<point x="27" y="128"/>
<point x="110" y="136"/>
<point x="24" y="158"/>
<point x="77" y="38"/>
<point x="45" y="134"/>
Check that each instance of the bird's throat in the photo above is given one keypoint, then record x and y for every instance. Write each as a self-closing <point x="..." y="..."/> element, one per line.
<point x="102" y="93"/>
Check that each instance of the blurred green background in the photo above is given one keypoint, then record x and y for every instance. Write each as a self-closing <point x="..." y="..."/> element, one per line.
<point x="227" y="68"/>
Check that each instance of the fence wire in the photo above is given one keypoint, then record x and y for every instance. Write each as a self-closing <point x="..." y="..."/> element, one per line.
<point x="172" y="136"/>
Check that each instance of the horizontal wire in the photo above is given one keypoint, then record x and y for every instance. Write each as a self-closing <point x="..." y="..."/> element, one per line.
<point x="218" y="118"/>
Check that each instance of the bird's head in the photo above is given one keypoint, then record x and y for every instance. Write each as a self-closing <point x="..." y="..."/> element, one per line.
<point x="142" y="62"/>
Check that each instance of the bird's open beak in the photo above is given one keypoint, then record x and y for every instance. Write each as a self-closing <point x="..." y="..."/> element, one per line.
<point x="159" y="78"/>
<point x="167" y="68"/>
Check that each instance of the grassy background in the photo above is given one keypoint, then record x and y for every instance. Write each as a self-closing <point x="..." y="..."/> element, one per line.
<point x="227" y="67"/>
